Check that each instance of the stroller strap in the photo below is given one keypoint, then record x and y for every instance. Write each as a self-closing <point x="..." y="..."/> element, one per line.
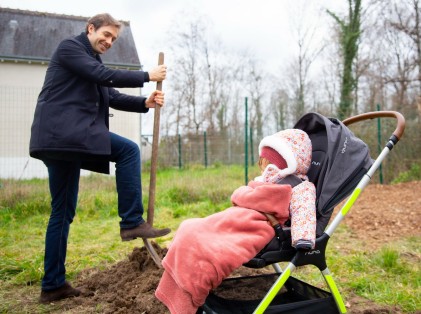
<point x="292" y="180"/>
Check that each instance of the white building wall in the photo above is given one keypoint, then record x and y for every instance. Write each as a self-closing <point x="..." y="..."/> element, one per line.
<point x="20" y="84"/>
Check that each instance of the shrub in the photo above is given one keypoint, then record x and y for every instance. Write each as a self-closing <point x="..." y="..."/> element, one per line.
<point x="413" y="174"/>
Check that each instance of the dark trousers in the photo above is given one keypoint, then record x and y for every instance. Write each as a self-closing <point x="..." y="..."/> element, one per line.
<point x="64" y="187"/>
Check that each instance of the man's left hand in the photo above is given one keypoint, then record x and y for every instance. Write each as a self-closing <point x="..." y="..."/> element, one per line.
<point x="157" y="97"/>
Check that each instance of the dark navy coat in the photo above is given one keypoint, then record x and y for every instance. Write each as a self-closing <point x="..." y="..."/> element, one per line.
<point x="71" y="115"/>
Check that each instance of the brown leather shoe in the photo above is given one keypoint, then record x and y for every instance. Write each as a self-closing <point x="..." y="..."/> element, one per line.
<point x="144" y="230"/>
<point x="65" y="291"/>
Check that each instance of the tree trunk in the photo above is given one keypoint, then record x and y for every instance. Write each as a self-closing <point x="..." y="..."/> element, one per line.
<point x="350" y="34"/>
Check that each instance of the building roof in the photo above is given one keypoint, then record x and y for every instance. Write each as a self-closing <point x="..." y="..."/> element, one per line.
<point x="32" y="36"/>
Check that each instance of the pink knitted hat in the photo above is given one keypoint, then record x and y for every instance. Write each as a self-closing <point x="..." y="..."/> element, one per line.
<point x="273" y="156"/>
<point x="294" y="146"/>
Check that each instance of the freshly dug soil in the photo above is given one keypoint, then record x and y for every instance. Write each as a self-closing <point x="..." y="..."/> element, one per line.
<point x="126" y="287"/>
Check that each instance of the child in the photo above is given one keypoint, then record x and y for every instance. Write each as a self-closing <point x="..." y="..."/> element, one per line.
<point x="206" y="250"/>
<point x="287" y="153"/>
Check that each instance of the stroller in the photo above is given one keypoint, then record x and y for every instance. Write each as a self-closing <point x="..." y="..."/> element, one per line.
<point x="341" y="166"/>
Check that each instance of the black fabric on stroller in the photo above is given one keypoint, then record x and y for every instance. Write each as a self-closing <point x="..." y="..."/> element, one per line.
<point x="339" y="161"/>
<point x="295" y="297"/>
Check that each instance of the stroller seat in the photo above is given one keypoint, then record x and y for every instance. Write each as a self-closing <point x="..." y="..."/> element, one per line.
<point x="335" y="171"/>
<point x="341" y="166"/>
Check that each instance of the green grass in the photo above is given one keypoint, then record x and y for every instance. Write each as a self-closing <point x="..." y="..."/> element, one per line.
<point x="390" y="275"/>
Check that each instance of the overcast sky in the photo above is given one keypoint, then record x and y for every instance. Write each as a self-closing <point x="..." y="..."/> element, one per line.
<point x="261" y="27"/>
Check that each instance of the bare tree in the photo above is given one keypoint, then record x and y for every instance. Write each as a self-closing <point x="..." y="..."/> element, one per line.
<point x="219" y="76"/>
<point x="305" y="58"/>
<point x="405" y="20"/>
<point x="205" y="79"/>
<point x="187" y="42"/>
<point x="254" y="82"/>
<point x="402" y="69"/>
<point x="307" y="48"/>
<point x="279" y="104"/>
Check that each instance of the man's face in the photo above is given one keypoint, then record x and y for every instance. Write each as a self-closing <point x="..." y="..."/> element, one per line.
<point x="103" y="38"/>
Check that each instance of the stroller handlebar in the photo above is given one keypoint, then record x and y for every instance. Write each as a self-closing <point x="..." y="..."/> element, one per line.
<point x="381" y="114"/>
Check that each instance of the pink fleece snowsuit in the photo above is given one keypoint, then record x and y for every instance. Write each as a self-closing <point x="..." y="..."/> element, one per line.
<point x="294" y="146"/>
<point x="206" y="250"/>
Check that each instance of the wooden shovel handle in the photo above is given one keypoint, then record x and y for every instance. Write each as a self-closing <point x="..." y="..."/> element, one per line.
<point x="154" y="164"/>
<point x="154" y="158"/>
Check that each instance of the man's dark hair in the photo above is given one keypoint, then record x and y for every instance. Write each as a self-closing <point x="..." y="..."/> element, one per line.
<point x="103" y="19"/>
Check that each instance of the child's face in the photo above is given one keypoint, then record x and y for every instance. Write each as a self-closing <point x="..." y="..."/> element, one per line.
<point x="263" y="162"/>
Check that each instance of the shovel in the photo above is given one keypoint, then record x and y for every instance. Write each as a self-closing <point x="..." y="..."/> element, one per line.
<point x="154" y="163"/>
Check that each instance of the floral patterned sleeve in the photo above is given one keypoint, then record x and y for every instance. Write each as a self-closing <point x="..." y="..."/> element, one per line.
<point x="303" y="212"/>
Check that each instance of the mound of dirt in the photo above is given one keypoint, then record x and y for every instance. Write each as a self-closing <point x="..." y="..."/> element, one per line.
<point x="126" y="287"/>
<point x="383" y="213"/>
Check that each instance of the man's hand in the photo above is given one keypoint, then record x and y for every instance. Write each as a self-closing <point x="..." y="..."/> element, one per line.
<point x="157" y="97"/>
<point x="158" y="74"/>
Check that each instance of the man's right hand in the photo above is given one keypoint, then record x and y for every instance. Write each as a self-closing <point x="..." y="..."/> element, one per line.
<point x="158" y="74"/>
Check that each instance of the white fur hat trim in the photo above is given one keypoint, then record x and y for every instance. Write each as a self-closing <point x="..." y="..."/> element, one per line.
<point x="283" y="149"/>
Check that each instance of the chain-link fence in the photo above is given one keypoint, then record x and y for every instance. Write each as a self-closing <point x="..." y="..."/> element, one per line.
<point x="17" y="106"/>
<point x="202" y="149"/>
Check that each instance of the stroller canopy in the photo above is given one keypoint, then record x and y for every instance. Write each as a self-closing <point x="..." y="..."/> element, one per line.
<point x="339" y="161"/>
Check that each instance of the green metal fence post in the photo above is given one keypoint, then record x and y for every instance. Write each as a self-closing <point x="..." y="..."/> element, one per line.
<point x="246" y="143"/>
<point x="206" y="150"/>
<point x="179" y="152"/>
<point x="251" y="147"/>
<point x="379" y="144"/>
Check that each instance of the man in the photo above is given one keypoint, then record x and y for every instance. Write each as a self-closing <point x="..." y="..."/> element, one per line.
<point x="70" y="132"/>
